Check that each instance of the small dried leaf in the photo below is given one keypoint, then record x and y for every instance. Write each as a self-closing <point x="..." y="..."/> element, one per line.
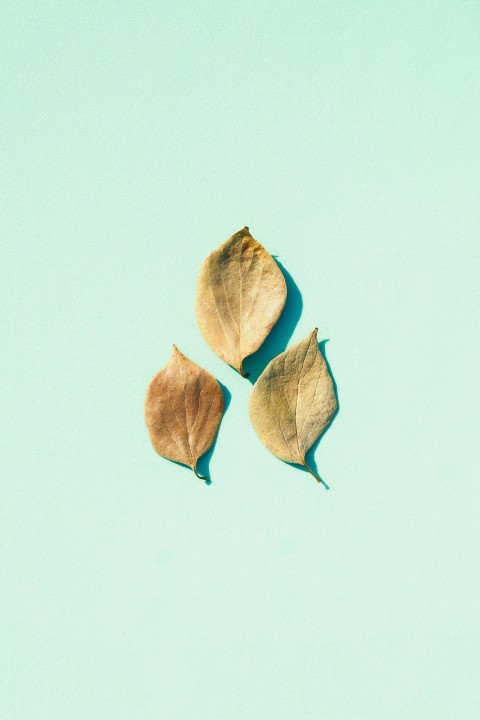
<point x="241" y="293"/>
<point x="293" y="401"/>
<point x="183" y="409"/>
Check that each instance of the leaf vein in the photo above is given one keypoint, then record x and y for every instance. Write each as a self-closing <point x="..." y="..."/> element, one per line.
<point x="218" y="313"/>
<point x="280" y="422"/>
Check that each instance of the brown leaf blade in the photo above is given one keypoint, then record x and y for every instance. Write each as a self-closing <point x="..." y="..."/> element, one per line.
<point x="183" y="410"/>
<point x="241" y="293"/>
<point x="293" y="401"/>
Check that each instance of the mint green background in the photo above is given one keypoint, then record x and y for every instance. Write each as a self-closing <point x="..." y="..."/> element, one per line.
<point x="136" y="137"/>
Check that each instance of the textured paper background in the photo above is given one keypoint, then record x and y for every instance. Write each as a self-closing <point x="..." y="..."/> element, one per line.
<point x="136" y="136"/>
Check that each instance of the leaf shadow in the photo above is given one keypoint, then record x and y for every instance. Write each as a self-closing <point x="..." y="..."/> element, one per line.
<point x="203" y="463"/>
<point x="277" y="340"/>
<point x="310" y="459"/>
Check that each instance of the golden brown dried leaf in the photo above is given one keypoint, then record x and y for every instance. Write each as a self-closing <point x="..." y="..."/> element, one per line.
<point x="183" y="409"/>
<point x="293" y="401"/>
<point x="241" y="293"/>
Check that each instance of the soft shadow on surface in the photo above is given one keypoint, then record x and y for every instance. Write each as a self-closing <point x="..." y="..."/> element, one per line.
<point x="310" y="454"/>
<point x="203" y="464"/>
<point x="277" y="340"/>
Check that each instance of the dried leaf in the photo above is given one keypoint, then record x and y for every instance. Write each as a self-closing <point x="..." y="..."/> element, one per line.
<point x="241" y="293"/>
<point x="183" y="409"/>
<point x="293" y="401"/>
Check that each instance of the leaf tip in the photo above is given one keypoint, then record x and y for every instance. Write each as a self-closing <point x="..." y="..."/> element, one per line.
<point x="177" y="353"/>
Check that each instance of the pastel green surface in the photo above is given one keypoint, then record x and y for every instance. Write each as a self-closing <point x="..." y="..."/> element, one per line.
<point x="136" y="137"/>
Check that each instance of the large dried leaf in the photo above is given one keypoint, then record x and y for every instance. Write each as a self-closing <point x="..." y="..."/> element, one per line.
<point x="293" y="401"/>
<point x="183" y="409"/>
<point x="241" y="293"/>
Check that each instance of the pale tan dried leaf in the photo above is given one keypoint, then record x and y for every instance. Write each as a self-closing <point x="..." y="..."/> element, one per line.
<point x="241" y="293"/>
<point x="293" y="401"/>
<point x="183" y="409"/>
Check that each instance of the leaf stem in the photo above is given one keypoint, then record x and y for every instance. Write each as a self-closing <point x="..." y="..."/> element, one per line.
<point x="315" y="475"/>
<point x="243" y="374"/>
<point x="200" y="477"/>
